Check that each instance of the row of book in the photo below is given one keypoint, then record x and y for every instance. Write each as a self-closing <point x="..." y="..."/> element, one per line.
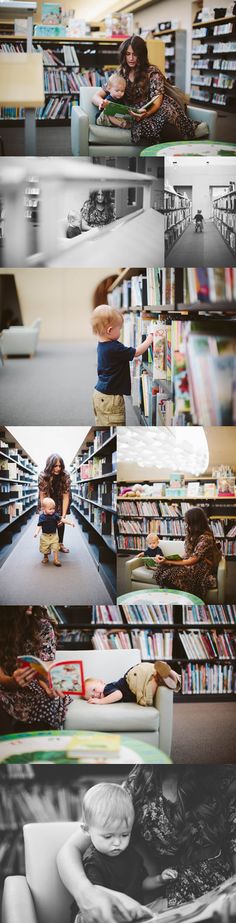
<point x="57" y="108"/>
<point x="163" y="527"/>
<point x="207" y="48"/>
<point x="61" y="81"/>
<point x="156" y="287"/>
<point x="216" y="614"/>
<point x="151" y="646"/>
<point x="204" y="645"/>
<point x="139" y="543"/>
<point x="103" y="493"/>
<point x="217" y="679"/>
<point x="158" y="508"/>
<point x="99" y="518"/>
<point x="95" y="467"/>
<point x="143" y="613"/>
<point x="10" y="471"/>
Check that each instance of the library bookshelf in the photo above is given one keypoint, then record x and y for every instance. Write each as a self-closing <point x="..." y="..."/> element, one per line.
<point x="175" y="54"/>
<point x="165" y="514"/>
<point x="224" y="216"/>
<point x="198" y="641"/>
<point x="177" y="216"/>
<point x="93" y="473"/>
<point x="214" y="63"/>
<point x="18" y="486"/>
<point x="159" y="300"/>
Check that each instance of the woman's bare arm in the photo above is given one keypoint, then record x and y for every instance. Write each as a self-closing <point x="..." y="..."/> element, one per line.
<point x="145" y="113"/>
<point x="185" y="562"/>
<point x="98" y="98"/>
<point x="97" y="904"/>
<point x="65" y="503"/>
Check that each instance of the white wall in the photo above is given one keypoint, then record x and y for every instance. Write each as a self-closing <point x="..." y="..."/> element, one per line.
<point x="61" y="297"/>
<point x="200" y="173"/>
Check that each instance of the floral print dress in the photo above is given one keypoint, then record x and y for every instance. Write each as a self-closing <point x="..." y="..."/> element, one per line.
<point x="196" y="578"/>
<point x="95" y="217"/>
<point x="170" y="112"/>
<point x="196" y="834"/>
<point x="30" y="704"/>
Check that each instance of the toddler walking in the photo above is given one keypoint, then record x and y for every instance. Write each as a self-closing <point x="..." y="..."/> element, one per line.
<point x="48" y="522"/>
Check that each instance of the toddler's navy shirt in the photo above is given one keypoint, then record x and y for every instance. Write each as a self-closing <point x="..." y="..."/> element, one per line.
<point x="151" y="552"/>
<point x="124" y="873"/>
<point x="122" y="685"/>
<point x="49" y="523"/>
<point x="113" y="367"/>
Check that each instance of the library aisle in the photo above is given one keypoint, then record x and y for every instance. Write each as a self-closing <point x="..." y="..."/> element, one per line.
<point x="201" y="249"/>
<point x="23" y="576"/>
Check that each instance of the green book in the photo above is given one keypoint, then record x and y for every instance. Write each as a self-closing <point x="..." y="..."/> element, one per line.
<point x="149" y="562"/>
<point x="119" y="109"/>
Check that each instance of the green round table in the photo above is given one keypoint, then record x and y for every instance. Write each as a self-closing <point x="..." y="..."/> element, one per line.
<point x="52" y="747"/>
<point x="191" y="148"/>
<point x="161" y="596"/>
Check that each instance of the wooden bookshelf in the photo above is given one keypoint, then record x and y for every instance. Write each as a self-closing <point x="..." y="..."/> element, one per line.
<point x="18" y="486"/>
<point x="221" y="512"/>
<point x="214" y="64"/>
<point x="156" y="631"/>
<point x="177" y="216"/>
<point x="224" y="216"/>
<point x="94" y="499"/>
<point x="175" y="55"/>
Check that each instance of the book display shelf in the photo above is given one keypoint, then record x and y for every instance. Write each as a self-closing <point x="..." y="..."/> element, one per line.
<point x="164" y="514"/>
<point x="224" y="216"/>
<point x="93" y="473"/>
<point x="177" y="216"/>
<point x="169" y="381"/>
<point x="198" y="641"/>
<point x="18" y="486"/>
<point x="214" y="63"/>
<point x="175" y="54"/>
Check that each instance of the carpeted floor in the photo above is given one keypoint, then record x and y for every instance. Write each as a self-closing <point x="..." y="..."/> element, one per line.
<point x="203" y="732"/>
<point x="53" y="388"/>
<point x="205" y="249"/>
<point x="25" y="580"/>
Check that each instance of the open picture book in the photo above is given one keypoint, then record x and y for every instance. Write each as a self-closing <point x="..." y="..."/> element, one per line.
<point x="64" y="675"/>
<point x="120" y="109"/>
<point x="151" y="563"/>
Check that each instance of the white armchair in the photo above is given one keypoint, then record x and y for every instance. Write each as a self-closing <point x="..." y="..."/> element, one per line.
<point x="151" y="724"/>
<point x="138" y="576"/>
<point x="39" y="896"/>
<point x="20" y="341"/>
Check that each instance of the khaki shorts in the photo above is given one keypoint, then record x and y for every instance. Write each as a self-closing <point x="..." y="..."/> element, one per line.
<point x="49" y="542"/>
<point x="108" y="409"/>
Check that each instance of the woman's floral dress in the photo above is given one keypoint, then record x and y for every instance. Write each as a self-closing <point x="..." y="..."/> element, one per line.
<point x="95" y="217"/>
<point x="196" y="578"/>
<point x="203" y="819"/>
<point x="170" y="112"/>
<point x="30" y="704"/>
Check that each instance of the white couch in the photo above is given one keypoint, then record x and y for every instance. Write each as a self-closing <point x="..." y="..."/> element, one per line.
<point x="152" y="724"/>
<point x="138" y="576"/>
<point x="20" y="341"/>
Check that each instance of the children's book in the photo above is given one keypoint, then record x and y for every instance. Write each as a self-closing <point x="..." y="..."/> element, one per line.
<point x="64" y="676"/>
<point x="119" y="109"/>
<point x="94" y="746"/>
<point x="149" y="562"/>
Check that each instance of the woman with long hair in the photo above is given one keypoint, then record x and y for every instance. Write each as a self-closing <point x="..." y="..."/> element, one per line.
<point x="98" y="210"/>
<point x="54" y="482"/>
<point x="27" y="704"/>
<point x="166" y="119"/>
<point x="184" y="821"/>
<point x="196" y="572"/>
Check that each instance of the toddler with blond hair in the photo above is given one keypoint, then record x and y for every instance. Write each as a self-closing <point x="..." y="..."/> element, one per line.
<point x="113" y="360"/>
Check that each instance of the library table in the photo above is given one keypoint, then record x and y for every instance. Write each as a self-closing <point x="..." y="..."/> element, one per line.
<point x="52" y="747"/>
<point x="159" y="596"/>
<point x="188" y="148"/>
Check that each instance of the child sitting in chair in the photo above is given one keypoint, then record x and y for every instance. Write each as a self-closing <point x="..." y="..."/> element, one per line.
<point x="116" y="87"/>
<point x="139" y="684"/>
<point x="152" y="549"/>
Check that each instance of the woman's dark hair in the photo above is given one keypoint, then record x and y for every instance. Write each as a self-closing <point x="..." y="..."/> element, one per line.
<point x="18" y="627"/>
<point x="140" y="50"/>
<point x="196" y="523"/>
<point x="47" y="474"/>
<point x="108" y="202"/>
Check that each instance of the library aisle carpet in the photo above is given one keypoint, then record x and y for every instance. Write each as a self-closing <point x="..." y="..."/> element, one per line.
<point x="139" y="241"/>
<point x="205" y="249"/>
<point x="203" y="732"/>
<point x="25" y="579"/>
<point x="54" y="387"/>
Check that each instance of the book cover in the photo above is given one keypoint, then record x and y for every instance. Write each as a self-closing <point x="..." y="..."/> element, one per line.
<point x="64" y="676"/>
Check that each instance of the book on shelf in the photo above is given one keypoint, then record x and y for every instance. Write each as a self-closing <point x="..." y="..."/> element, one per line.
<point x="105" y="615"/>
<point x="203" y="645"/>
<point x="146" y="613"/>
<point x="152" y="645"/>
<point x="212" y="679"/>
<point x="64" y="676"/>
<point x="211" y="614"/>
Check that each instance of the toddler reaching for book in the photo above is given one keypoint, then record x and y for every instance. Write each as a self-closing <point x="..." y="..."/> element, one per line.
<point x="116" y="87"/>
<point x="110" y="858"/>
<point x="48" y="523"/>
<point x="139" y="684"/>
<point x="113" y="360"/>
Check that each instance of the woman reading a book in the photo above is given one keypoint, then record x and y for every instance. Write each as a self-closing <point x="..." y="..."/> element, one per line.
<point x="54" y="482"/>
<point x="166" y="119"/>
<point x="184" y="821"/>
<point x="196" y="572"/>
<point x="27" y="703"/>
